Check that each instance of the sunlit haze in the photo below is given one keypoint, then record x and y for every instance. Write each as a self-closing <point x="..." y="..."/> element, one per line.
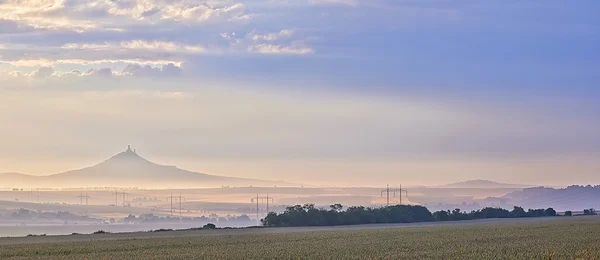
<point x="313" y="92"/>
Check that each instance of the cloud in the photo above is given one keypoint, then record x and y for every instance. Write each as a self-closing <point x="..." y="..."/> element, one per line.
<point x="103" y="72"/>
<point x="84" y="34"/>
<point x="13" y="27"/>
<point x="338" y="2"/>
<point x="149" y="52"/>
<point x="148" y="71"/>
<point x="279" y="49"/>
<point x="84" y="62"/>
<point x="42" y="72"/>
<point x="206" y="13"/>
<point x="133" y="51"/>
<point x="137" y="45"/>
<point x="85" y="15"/>
<point x="286" y="33"/>
<point x="281" y="42"/>
<point x="49" y="74"/>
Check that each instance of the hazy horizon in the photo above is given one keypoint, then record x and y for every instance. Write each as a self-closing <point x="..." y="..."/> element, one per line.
<point x="371" y="169"/>
<point x="323" y="92"/>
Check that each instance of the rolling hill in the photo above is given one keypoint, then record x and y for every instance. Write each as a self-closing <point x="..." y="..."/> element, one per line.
<point x="128" y="169"/>
<point x="482" y="184"/>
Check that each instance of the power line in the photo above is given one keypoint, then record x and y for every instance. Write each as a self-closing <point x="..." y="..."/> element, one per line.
<point x="387" y="190"/>
<point x="258" y="199"/>
<point x="116" y="198"/>
<point x="171" y="199"/>
<point x="81" y="197"/>
<point x="125" y="195"/>
<point x="180" y="199"/>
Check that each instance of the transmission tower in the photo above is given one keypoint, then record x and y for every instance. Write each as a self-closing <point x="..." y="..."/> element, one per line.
<point x="387" y="196"/>
<point x="124" y="195"/>
<point x="180" y="199"/>
<point x="389" y="190"/>
<point x="176" y="198"/>
<point x="170" y="198"/>
<point x="116" y="198"/>
<point x="81" y="197"/>
<point x="258" y="199"/>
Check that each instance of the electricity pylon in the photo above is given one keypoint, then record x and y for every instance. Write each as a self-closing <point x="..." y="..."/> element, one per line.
<point x="170" y="198"/>
<point x="394" y="191"/>
<point x="180" y="199"/>
<point x="125" y="196"/>
<point x="81" y="197"/>
<point x="258" y="200"/>
<point x="116" y="198"/>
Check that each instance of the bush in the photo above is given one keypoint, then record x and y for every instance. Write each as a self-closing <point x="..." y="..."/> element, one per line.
<point x="209" y="226"/>
<point x="588" y="212"/>
<point x="568" y="213"/>
<point x="163" y="230"/>
<point x="550" y="212"/>
<point x="100" y="232"/>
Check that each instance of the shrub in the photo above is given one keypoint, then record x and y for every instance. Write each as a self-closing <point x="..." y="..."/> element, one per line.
<point x="163" y="230"/>
<point x="550" y="212"/>
<point x="588" y="212"/>
<point x="209" y="226"/>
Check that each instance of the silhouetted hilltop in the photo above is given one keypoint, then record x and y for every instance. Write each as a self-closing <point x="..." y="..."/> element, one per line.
<point x="128" y="169"/>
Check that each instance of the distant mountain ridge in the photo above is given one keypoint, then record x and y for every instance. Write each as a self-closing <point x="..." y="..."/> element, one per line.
<point x="482" y="184"/>
<point x="574" y="197"/>
<point x="128" y="169"/>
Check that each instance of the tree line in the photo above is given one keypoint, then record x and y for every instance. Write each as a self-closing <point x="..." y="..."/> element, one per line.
<point x="309" y="215"/>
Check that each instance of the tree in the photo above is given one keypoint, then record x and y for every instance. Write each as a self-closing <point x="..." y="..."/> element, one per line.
<point x="518" y="212"/>
<point x="441" y="215"/>
<point x="536" y="212"/>
<point x="588" y="212"/>
<point x="550" y="212"/>
<point x="568" y="213"/>
<point x="309" y="215"/>
<point x="336" y="207"/>
<point x="209" y="226"/>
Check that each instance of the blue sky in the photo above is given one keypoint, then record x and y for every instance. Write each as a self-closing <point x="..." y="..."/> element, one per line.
<point x="457" y="89"/>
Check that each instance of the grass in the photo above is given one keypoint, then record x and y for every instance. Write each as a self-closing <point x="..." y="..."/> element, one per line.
<point x="571" y="238"/>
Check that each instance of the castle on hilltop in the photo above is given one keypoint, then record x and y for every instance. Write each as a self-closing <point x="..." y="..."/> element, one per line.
<point x="129" y="150"/>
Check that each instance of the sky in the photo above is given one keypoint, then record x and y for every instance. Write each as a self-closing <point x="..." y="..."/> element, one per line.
<point x="327" y="92"/>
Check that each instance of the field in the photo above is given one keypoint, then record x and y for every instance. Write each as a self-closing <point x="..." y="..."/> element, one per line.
<point x="545" y="238"/>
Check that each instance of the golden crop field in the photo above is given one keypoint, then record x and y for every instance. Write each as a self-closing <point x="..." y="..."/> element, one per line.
<point x="567" y="238"/>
